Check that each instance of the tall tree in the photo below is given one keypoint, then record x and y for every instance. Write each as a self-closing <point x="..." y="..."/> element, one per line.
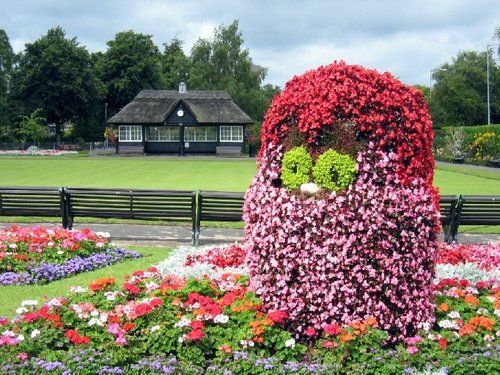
<point x="132" y="63"/>
<point x="223" y="64"/>
<point x="175" y="64"/>
<point x="459" y="94"/>
<point x="6" y="63"/>
<point x="54" y="73"/>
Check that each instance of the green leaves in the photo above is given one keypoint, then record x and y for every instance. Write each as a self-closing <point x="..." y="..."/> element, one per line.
<point x="332" y="171"/>
<point x="295" y="168"/>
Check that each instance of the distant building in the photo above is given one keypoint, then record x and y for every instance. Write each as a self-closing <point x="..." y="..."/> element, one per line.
<point x="181" y="122"/>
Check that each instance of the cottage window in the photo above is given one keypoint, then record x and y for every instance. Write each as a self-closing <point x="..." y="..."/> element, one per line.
<point x="163" y="134"/>
<point x="128" y="133"/>
<point x="200" y="134"/>
<point x="231" y="133"/>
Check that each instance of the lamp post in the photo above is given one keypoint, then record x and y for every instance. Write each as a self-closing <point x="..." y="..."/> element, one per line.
<point x="488" y="79"/>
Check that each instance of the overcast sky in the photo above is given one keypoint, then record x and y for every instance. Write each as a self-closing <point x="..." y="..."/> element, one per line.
<point x="405" y="38"/>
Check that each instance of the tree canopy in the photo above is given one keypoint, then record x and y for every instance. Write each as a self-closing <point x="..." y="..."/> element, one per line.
<point x="7" y="58"/>
<point x="131" y="63"/>
<point x="54" y="73"/>
<point x="459" y="96"/>
<point x="223" y="64"/>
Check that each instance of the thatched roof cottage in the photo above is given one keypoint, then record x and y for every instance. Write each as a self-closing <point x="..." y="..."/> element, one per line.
<point x="183" y="122"/>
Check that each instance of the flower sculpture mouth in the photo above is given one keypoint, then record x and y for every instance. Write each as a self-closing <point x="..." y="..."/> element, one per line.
<point x="359" y="239"/>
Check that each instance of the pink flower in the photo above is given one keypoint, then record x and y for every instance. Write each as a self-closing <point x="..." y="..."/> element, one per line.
<point x="22" y="356"/>
<point x="310" y="331"/>
<point x="411" y="350"/>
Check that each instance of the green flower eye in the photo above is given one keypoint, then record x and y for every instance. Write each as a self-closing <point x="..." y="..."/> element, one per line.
<point x="295" y="168"/>
<point x="334" y="171"/>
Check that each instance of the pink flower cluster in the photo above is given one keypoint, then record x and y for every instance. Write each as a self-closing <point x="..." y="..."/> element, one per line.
<point x="486" y="257"/>
<point x="369" y="251"/>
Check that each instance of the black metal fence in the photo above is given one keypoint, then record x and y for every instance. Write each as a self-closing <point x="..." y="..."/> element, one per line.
<point x="195" y="206"/>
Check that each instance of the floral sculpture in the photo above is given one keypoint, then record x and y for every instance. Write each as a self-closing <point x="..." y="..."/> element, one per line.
<point x="363" y="243"/>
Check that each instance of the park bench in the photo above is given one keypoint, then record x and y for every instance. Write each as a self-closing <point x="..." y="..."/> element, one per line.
<point x="69" y="147"/>
<point x="447" y="213"/>
<point x="228" y="151"/>
<point x="32" y="201"/>
<point x="218" y="206"/>
<point x="476" y="210"/>
<point x="141" y="204"/>
<point x="124" y="149"/>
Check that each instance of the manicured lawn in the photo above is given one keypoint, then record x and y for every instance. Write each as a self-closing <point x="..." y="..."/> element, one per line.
<point x="128" y="172"/>
<point x="12" y="296"/>
<point x="189" y="174"/>
<point x="453" y="179"/>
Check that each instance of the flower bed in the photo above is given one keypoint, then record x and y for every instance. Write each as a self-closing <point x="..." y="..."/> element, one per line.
<point x="35" y="151"/>
<point x="38" y="255"/>
<point x="160" y="322"/>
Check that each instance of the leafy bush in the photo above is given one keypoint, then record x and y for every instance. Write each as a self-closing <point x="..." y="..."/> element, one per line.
<point x="296" y="167"/>
<point x="486" y="146"/>
<point x="334" y="171"/>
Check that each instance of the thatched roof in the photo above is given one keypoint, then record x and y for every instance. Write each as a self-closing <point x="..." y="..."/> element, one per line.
<point x="154" y="106"/>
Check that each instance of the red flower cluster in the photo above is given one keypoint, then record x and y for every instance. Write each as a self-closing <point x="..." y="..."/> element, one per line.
<point x="277" y="316"/>
<point x="231" y="256"/>
<point x="75" y="338"/>
<point x="486" y="257"/>
<point x="44" y="313"/>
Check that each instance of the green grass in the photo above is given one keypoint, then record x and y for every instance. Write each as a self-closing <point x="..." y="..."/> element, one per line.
<point x="129" y="172"/>
<point x="12" y="296"/>
<point x="452" y="179"/>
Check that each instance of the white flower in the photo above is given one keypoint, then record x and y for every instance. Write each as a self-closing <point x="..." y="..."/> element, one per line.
<point x="54" y="302"/>
<point x="35" y="333"/>
<point x="60" y="252"/>
<point x="29" y="302"/>
<point x="290" y="343"/>
<point x="21" y="310"/>
<point x="78" y="289"/>
<point x="184" y="322"/>
<point x="12" y="246"/>
<point x="181" y="339"/>
<point x="50" y="244"/>
<point x="94" y="313"/>
<point x="20" y="338"/>
<point x="246" y="343"/>
<point x="103" y="234"/>
<point x="155" y="328"/>
<point x="488" y="338"/>
<point x="95" y="322"/>
<point x="497" y="312"/>
<point x="110" y="296"/>
<point x="447" y="324"/>
<point x="482" y="311"/>
<point x="221" y="318"/>
<point x="426" y="326"/>
<point x="454" y="315"/>
<point x="103" y="317"/>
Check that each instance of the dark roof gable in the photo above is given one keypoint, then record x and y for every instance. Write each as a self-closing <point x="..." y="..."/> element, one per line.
<point x="154" y="106"/>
